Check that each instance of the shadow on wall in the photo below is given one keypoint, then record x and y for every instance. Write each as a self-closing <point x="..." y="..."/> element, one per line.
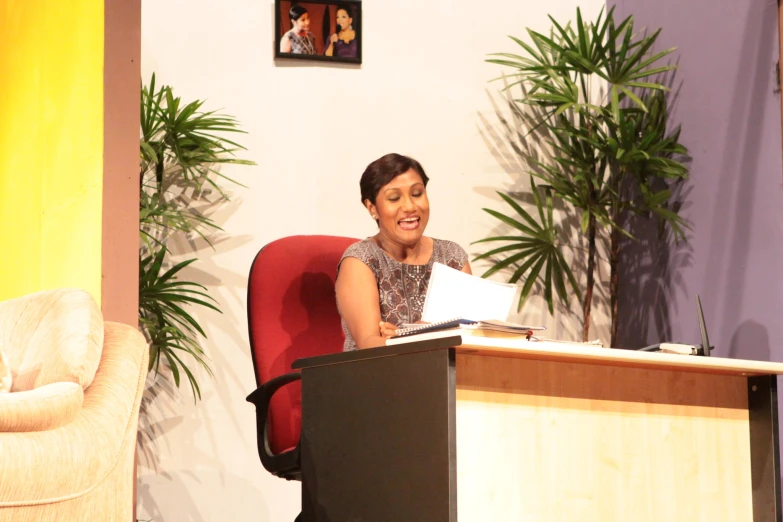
<point x="172" y="429"/>
<point x="157" y="415"/>
<point x="652" y="263"/>
<point x="750" y="341"/>
<point x="161" y="405"/>
<point x="239" y="498"/>
<point x="650" y="276"/>
<point x="728" y="167"/>
<point x="517" y="149"/>
<point x="742" y="167"/>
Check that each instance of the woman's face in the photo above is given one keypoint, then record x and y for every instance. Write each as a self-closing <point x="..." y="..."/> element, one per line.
<point x="343" y="20"/>
<point x="402" y="208"/>
<point x="303" y="24"/>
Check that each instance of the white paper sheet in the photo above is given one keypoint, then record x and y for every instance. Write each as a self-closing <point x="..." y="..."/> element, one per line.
<point x="455" y="294"/>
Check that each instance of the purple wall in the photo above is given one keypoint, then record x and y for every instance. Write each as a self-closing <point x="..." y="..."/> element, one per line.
<point x="731" y="123"/>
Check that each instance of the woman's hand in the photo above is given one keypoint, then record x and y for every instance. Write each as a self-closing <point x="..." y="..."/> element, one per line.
<point x="387" y="330"/>
<point x="334" y="38"/>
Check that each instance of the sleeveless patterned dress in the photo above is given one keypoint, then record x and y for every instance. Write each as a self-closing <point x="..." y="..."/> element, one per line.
<point x="401" y="287"/>
<point x="302" y="44"/>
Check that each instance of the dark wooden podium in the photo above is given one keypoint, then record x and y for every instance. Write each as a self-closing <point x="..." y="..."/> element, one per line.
<point x="482" y="429"/>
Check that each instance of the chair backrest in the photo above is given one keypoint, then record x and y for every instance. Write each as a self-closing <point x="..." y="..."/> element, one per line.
<point x="292" y="313"/>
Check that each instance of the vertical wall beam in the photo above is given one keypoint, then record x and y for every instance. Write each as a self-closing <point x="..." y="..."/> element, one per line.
<point x="120" y="237"/>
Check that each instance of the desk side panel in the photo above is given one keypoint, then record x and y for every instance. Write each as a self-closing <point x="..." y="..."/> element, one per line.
<point x="543" y="440"/>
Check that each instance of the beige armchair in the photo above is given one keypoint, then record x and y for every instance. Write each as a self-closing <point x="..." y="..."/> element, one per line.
<point x="68" y="427"/>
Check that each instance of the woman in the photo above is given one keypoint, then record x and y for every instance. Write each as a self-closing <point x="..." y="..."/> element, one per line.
<point x="342" y="44"/>
<point x="299" y="40"/>
<point x="382" y="281"/>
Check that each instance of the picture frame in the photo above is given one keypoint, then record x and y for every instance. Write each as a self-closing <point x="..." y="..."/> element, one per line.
<point x="318" y="37"/>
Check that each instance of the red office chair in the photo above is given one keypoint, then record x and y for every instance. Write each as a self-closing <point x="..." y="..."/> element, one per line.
<point x="291" y="313"/>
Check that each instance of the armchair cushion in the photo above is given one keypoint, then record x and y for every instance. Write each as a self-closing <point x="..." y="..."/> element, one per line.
<point x="32" y="325"/>
<point x="44" y="408"/>
<point x="82" y="470"/>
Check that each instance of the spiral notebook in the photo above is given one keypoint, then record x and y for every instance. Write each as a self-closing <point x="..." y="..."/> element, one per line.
<point x="430" y="327"/>
<point x="467" y="324"/>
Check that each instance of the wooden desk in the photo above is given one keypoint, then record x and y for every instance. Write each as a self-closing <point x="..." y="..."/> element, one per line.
<point x="484" y="429"/>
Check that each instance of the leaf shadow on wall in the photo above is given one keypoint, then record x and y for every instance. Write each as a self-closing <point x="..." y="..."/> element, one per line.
<point x="161" y="398"/>
<point x="154" y="407"/>
<point x="518" y="149"/>
<point x="174" y="496"/>
<point x="229" y="288"/>
<point x="170" y="422"/>
<point x="652" y="263"/>
<point x="650" y="276"/>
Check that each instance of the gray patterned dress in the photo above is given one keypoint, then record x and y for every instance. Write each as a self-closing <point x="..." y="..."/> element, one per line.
<point x="302" y="44"/>
<point x="401" y="287"/>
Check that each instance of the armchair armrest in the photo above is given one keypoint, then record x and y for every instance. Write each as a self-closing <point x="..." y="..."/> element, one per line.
<point x="285" y="465"/>
<point x="44" y="408"/>
<point x="68" y="462"/>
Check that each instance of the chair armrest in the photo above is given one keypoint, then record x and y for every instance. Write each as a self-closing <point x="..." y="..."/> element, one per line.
<point x="41" y="409"/>
<point x="286" y="464"/>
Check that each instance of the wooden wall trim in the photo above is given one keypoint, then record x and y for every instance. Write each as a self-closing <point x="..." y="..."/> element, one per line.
<point x="120" y="232"/>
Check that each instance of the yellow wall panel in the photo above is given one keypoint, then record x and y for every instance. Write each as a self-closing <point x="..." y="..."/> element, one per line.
<point x="69" y="246"/>
<point x="51" y="145"/>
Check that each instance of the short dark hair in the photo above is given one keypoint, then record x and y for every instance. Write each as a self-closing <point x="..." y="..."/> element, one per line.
<point x="344" y="7"/>
<point x="381" y="171"/>
<point x="296" y="12"/>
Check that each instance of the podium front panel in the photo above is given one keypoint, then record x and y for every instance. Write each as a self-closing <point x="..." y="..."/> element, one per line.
<point x="378" y="440"/>
<point x="554" y="441"/>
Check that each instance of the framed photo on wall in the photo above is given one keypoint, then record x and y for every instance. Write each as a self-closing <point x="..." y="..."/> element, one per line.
<point x="322" y="30"/>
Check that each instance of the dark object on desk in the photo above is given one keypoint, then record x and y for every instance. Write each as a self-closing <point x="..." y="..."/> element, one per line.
<point x="292" y="314"/>
<point x="705" y="342"/>
<point x="699" y="349"/>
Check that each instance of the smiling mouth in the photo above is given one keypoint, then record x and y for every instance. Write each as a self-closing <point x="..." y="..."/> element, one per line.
<point x="411" y="223"/>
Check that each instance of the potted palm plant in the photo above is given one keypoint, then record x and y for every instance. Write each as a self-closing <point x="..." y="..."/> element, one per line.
<point x="181" y="149"/>
<point x="595" y="96"/>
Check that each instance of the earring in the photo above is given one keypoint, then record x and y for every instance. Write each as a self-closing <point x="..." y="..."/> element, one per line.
<point x="374" y="216"/>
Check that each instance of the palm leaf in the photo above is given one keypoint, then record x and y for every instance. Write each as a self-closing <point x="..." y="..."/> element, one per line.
<point x="608" y="157"/>
<point x="181" y="149"/>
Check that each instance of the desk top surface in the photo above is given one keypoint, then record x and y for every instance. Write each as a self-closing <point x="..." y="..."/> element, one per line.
<point x="590" y="354"/>
<point x="555" y="351"/>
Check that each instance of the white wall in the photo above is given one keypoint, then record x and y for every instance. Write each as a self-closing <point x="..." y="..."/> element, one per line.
<point x="423" y="91"/>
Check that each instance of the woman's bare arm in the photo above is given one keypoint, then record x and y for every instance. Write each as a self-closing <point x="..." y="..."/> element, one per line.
<point x="358" y="301"/>
<point x="466" y="268"/>
<point x="330" y="50"/>
<point x="285" y="44"/>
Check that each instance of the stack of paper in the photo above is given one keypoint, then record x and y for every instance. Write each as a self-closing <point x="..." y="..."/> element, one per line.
<point x="463" y="303"/>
